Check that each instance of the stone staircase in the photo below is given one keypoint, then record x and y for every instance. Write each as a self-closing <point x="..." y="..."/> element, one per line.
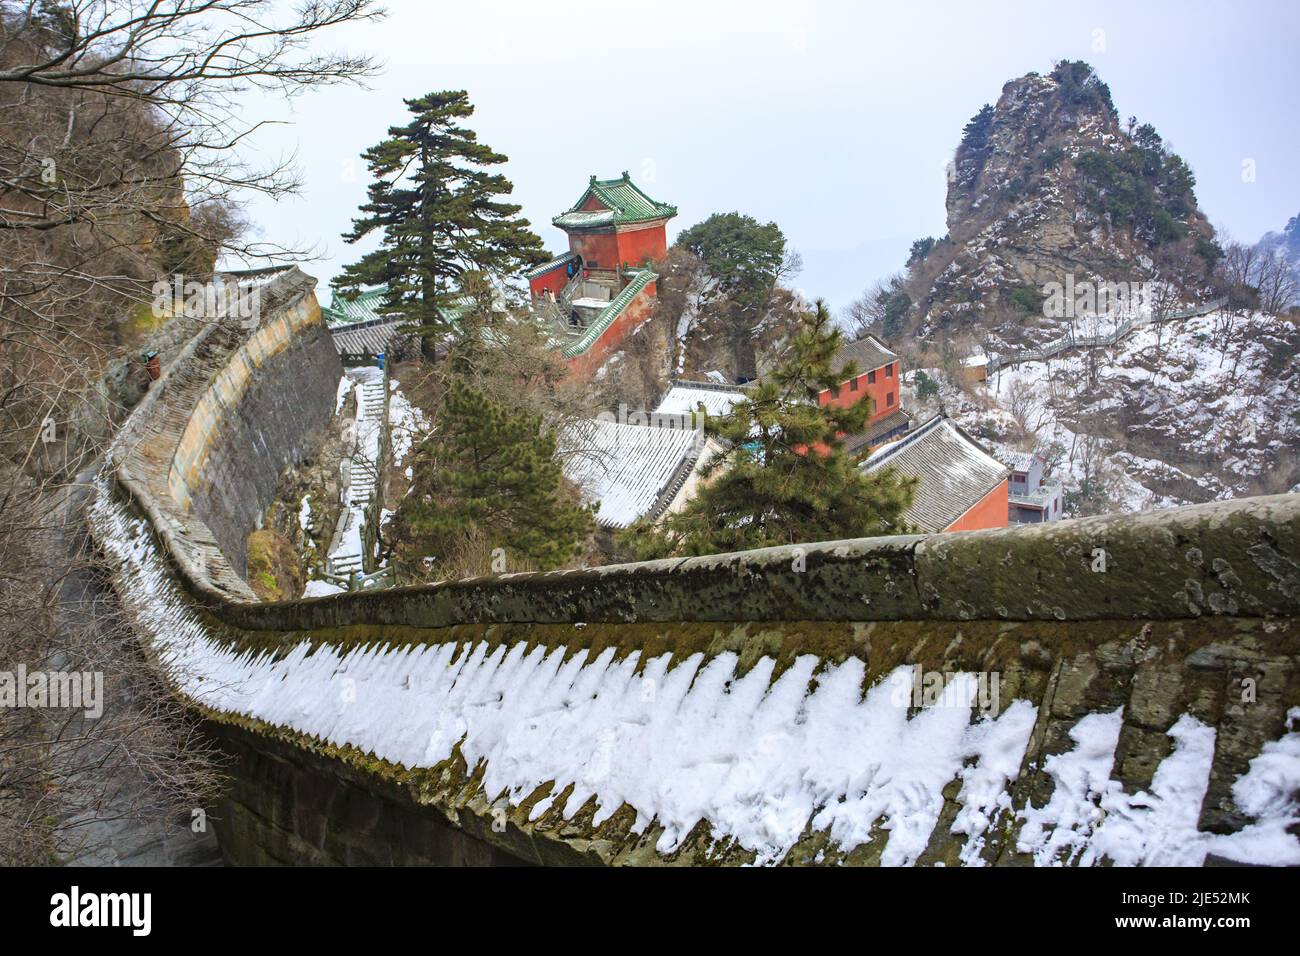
<point x="363" y="477"/>
<point x="1072" y="341"/>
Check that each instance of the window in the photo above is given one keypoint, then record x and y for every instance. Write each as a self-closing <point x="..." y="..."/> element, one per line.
<point x="835" y="391"/>
<point x="889" y="400"/>
<point x="853" y="385"/>
<point x="889" y="370"/>
<point x="871" y="377"/>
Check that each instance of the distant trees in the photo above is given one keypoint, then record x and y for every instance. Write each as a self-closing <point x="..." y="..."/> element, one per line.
<point x="926" y="387"/>
<point x="1252" y="277"/>
<point x="1080" y="86"/>
<point x="784" y="476"/>
<point x="920" y="249"/>
<point x="1144" y="186"/>
<point x="882" y="309"/>
<point x="744" y="261"/>
<point x="1277" y="282"/>
<point x="440" y="215"/>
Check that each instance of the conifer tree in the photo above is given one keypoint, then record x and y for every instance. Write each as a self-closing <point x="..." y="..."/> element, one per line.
<point x="785" y="476"/>
<point x="489" y="472"/>
<point x="440" y="215"/>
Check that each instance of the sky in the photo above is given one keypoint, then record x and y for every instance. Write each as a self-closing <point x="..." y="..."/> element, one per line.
<point x="833" y="119"/>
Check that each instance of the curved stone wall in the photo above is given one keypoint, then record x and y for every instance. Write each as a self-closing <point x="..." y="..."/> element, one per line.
<point x="1119" y="690"/>
<point x="203" y="451"/>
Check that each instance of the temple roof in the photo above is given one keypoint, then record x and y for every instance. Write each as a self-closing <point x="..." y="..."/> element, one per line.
<point x="955" y="472"/>
<point x="362" y="308"/>
<point x="896" y="421"/>
<point x="365" y="308"/>
<point x="546" y="267"/>
<point x="867" y="353"/>
<point x="685" y="397"/>
<point x="624" y="202"/>
<point x="630" y="470"/>
<point x="596" y="328"/>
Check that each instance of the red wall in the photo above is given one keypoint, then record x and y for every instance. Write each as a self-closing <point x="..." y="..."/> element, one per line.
<point x="990" y="512"/>
<point x="598" y="249"/>
<point x="585" y="365"/>
<point x="638" y="245"/>
<point x="552" y="281"/>
<point x="878" y="392"/>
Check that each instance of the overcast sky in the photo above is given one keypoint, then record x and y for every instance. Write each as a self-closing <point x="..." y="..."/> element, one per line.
<point x="834" y="119"/>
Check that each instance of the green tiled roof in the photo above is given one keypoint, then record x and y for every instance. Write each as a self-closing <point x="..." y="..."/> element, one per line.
<point x="608" y="314"/>
<point x="546" y="267"/>
<point x="341" y="311"/>
<point x="364" y="308"/>
<point x="626" y="202"/>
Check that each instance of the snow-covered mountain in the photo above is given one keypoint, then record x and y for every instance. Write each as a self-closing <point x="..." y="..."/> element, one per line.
<point x="1198" y="409"/>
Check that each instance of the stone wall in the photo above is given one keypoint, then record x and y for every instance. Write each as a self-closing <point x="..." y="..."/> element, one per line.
<point x="736" y="708"/>
<point x="274" y="423"/>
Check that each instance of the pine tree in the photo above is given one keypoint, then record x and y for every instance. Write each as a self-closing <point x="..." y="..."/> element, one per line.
<point x="438" y="209"/>
<point x="785" y="476"/>
<point x="489" y="473"/>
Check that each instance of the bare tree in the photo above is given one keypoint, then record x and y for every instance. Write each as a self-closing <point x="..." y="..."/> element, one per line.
<point x="868" y="312"/>
<point x="1276" y="280"/>
<point x="122" y="145"/>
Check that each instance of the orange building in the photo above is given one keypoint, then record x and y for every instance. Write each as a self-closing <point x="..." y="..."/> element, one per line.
<point x="879" y="376"/>
<point x="599" y="291"/>
<point x="961" y="487"/>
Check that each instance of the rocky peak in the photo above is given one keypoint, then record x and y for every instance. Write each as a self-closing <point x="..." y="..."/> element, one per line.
<point x="1049" y="182"/>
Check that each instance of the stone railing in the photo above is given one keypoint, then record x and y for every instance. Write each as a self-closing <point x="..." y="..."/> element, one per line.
<point x="1071" y="340"/>
<point x="1122" y="689"/>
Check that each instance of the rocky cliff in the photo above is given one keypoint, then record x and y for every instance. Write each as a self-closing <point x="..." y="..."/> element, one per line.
<point x="1046" y="184"/>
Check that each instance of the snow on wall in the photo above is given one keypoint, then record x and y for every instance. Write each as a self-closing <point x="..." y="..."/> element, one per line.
<point x="693" y="739"/>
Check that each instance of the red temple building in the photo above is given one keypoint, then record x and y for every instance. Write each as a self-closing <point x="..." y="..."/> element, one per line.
<point x="879" y="378"/>
<point x="960" y="485"/>
<point x="602" y="288"/>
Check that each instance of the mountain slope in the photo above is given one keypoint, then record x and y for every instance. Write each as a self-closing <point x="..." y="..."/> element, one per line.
<point x="1047" y="184"/>
<point x="1197" y="410"/>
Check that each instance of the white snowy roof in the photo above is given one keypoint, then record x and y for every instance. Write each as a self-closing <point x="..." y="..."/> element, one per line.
<point x="955" y="472"/>
<point x="1020" y="460"/>
<point x="630" y="470"/>
<point x="685" y="397"/>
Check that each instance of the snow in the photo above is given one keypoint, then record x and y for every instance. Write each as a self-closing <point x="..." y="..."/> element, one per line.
<point x="1267" y="791"/>
<point x="1159" y="827"/>
<point x="1059" y="831"/>
<point x="321" y="589"/>
<point x="340" y="396"/>
<point x="406" y="423"/>
<point x="683" y="399"/>
<point x="984" y="795"/>
<point x="1183" y="400"/>
<point x="683" y="740"/>
<point x="304" y="513"/>
<point x="626" y="468"/>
